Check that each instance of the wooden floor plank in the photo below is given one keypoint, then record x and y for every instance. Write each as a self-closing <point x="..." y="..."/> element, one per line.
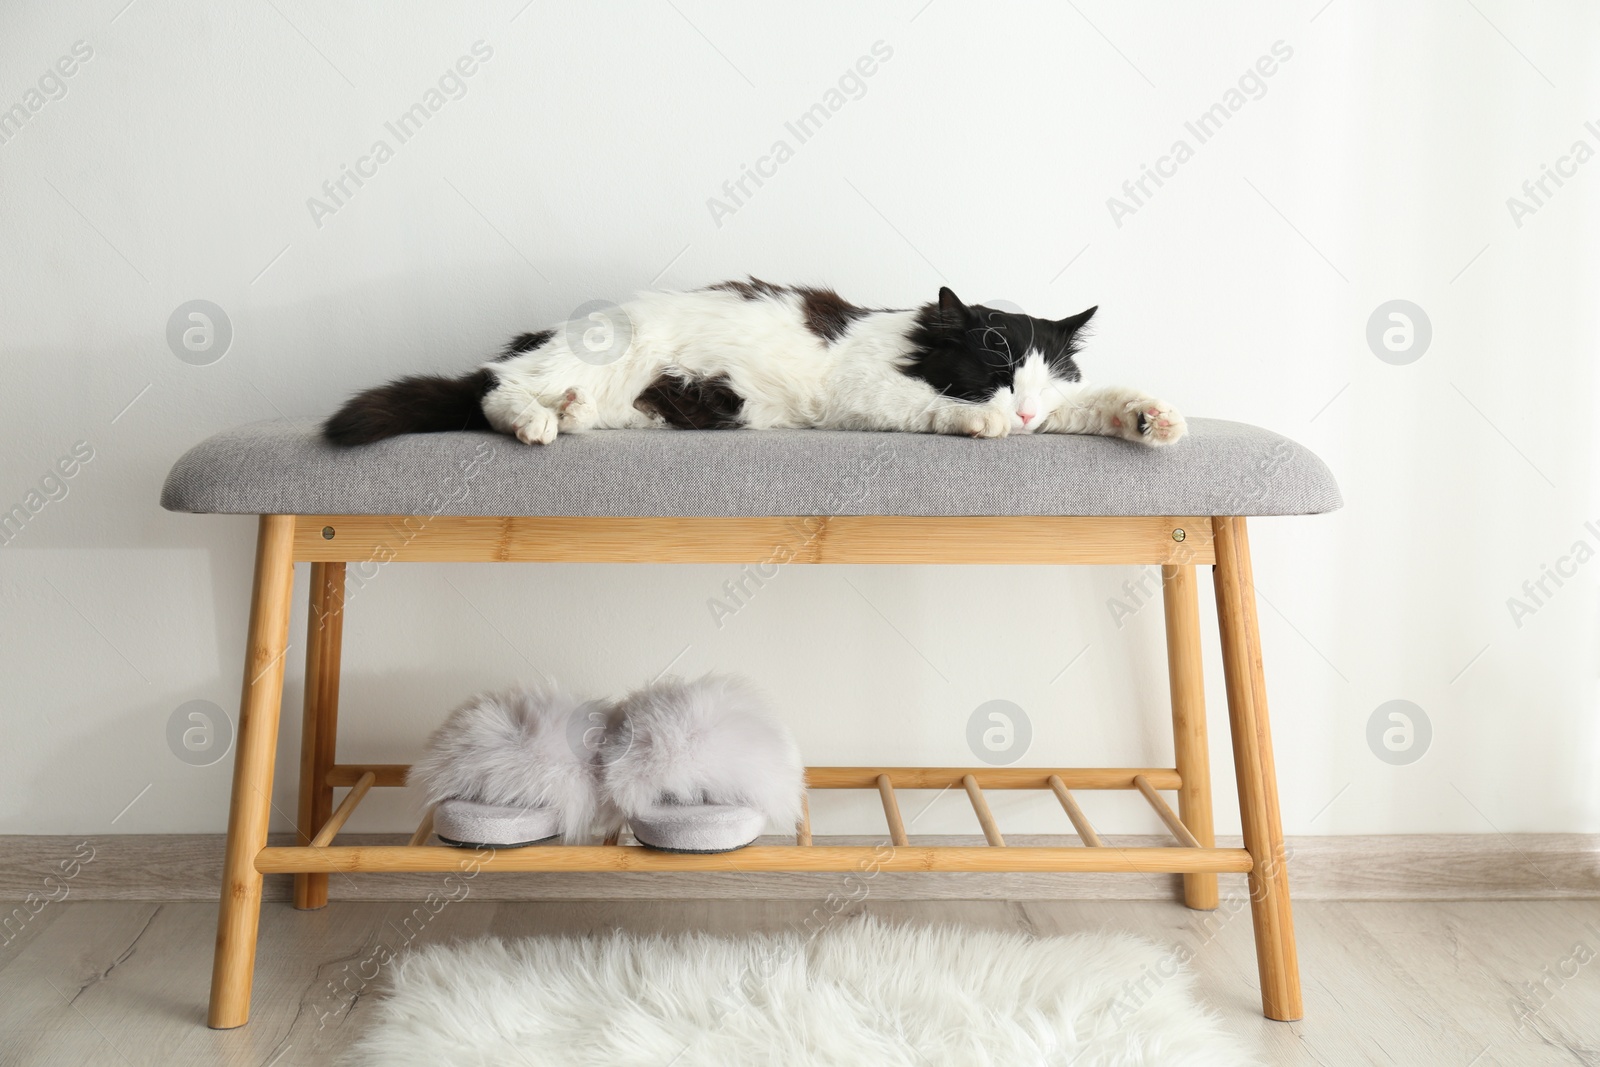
<point x="1508" y="974"/>
<point x="1386" y="982"/>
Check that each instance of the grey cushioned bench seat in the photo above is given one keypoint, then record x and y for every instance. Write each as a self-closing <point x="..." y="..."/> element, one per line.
<point x="283" y="467"/>
<point x="728" y="497"/>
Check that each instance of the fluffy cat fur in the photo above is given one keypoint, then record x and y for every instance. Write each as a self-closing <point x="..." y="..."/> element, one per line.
<point x="711" y="740"/>
<point x="752" y="355"/>
<point x="524" y="747"/>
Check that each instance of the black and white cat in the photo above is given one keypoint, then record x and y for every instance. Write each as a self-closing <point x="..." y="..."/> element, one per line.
<point x="758" y="356"/>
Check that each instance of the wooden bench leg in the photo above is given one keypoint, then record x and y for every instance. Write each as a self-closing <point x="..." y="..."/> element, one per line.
<point x="320" y="722"/>
<point x="1258" y="784"/>
<point x="1180" y="596"/>
<point x="248" y="812"/>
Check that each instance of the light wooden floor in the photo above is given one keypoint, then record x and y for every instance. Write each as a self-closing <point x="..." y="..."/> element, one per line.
<point x="112" y="982"/>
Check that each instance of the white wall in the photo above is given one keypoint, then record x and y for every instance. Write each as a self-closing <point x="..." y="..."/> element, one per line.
<point x="982" y="154"/>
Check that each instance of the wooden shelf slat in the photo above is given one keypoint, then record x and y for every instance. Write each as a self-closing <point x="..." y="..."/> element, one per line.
<point x="1080" y="821"/>
<point x="1168" y="816"/>
<point x="394" y="774"/>
<point x="891" y="812"/>
<point x="343" y="811"/>
<point x="768" y="858"/>
<point x="424" y="828"/>
<point x="991" y="829"/>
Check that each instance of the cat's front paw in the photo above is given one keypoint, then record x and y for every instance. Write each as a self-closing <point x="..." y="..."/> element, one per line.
<point x="1152" y="422"/>
<point x="986" y="422"/>
<point x="535" y="425"/>
<point x="577" y="413"/>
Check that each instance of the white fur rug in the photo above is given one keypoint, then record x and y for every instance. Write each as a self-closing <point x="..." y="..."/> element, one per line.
<point x="859" y="992"/>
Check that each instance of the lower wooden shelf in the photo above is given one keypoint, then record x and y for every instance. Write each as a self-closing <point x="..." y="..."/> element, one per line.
<point x="898" y="854"/>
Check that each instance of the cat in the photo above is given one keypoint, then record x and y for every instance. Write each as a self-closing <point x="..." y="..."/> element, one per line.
<point x="752" y="355"/>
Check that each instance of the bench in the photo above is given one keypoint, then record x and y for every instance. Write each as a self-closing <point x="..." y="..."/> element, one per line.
<point x="653" y="496"/>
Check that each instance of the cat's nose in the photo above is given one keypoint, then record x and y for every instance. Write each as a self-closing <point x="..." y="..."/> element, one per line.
<point x="1026" y="417"/>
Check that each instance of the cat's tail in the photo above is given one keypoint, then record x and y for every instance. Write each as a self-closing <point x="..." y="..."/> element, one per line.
<point x="422" y="403"/>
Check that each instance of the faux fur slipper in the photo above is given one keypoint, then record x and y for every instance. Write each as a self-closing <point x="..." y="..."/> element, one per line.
<point x="513" y="768"/>
<point x="699" y="766"/>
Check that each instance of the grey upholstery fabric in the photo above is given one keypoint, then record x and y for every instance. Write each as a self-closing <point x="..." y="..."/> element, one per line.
<point x="284" y="467"/>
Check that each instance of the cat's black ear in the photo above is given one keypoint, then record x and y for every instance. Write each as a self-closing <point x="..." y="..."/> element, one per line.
<point x="950" y="306"/>
<point x="1074" y="323"/>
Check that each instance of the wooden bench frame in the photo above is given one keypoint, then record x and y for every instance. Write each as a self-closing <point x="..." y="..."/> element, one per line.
<point x="1177" y="544"/>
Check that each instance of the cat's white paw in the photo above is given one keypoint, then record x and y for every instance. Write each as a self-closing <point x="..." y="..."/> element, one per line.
<point x="577" y="412"/>
<point x="985" y="422"/>
<point x="535" y="425"/>
<point x="1152" y="422"/>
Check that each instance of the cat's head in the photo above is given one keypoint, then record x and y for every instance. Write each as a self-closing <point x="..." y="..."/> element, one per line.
<point x="977" y="353"/>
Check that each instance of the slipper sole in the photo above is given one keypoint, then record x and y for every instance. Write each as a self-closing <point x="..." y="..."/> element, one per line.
<point x="493" y="844"/>
<point x="697" y="829"/>
<point x="471" y="824"/>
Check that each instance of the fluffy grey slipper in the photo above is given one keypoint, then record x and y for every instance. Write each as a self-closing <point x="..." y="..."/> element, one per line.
<point x="699" y="766"/>
<point x="512" y="767"/>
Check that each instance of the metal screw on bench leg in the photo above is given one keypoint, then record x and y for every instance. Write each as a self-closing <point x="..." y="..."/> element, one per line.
<point x="327" y="533"/>
<point x="1177" y="535"/>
